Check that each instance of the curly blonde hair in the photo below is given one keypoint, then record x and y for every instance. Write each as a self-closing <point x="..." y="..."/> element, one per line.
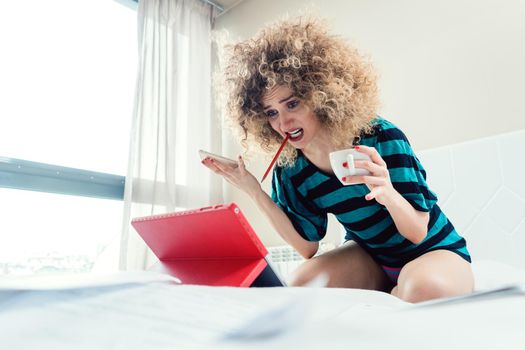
<point x="319" y="68"/>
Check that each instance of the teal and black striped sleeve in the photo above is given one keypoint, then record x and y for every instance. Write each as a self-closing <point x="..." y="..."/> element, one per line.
<point x="307" y="220"/>
<point x="406" y="171"/>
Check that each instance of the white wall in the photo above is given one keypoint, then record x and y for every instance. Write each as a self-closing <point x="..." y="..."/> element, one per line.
<point x="451" y="70"/>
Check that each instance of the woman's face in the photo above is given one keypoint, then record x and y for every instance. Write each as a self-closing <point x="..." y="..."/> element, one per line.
<point x="288" y="115"/>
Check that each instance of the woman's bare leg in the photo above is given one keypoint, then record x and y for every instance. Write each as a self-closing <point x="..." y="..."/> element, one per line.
<point x="347" y="266"/>
<point x="436" y="274"/>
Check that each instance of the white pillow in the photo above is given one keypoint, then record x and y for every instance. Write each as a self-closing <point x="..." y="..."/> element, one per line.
<point x="489" y="274"/>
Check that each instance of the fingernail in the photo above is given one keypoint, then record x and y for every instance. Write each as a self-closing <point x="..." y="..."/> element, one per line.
<point x="356" y="147"/>
<point x="345" y="165"/>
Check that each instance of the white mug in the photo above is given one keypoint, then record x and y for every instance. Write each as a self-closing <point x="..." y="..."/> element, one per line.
<point x="337" y="159"/>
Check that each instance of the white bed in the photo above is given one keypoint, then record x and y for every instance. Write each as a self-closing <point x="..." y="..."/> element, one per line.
<point x="480" y="188"/>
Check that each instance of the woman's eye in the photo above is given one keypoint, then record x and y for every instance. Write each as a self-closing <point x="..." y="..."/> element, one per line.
<point x="271" y="113"/>
<point x="292" y="104"/>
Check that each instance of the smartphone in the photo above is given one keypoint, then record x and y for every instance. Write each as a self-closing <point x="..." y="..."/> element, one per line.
<point x="228" y="161"/>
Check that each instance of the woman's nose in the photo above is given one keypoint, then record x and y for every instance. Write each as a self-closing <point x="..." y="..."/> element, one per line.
<point x="286" y="120"/>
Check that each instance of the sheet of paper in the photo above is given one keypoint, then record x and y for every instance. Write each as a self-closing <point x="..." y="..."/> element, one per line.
<point x="281" y="318"/>
<point x="374" y="321"/>
<point x="485" y="325"/>
<point x="496" y="293"/>
<point x="157" y="316"/>
<point x="315" y="306"/>
<point x="85" y="280"/>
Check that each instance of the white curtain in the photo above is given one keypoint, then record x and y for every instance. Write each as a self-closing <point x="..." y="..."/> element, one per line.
<point x="172" y="119"/>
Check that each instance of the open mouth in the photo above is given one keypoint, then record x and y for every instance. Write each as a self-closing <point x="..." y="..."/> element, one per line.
<point x="295" y="134"/>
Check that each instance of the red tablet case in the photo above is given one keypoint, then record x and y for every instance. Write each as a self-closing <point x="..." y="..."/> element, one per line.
<point x="213" y="246"/>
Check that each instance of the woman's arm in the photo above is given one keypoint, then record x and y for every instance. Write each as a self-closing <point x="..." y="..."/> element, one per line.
<point x="410" y="223"/>
<point x="246" y="182"/>
<point x="282" y="224"/>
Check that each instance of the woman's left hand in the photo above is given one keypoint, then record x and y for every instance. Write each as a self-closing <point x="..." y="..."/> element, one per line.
<point x="378" y="181"/>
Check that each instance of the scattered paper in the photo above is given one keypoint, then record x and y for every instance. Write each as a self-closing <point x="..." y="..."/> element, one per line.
<point x="79" y="281"/>
<point x="507" y="291"/>
<point x="285" y="317"/>
<point x="171" y="316"/>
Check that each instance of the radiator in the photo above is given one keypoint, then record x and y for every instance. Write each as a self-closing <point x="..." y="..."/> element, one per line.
<point x="285" y="259"/>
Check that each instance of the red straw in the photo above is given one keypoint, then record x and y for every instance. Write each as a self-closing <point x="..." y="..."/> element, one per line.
<point x="275" y="157"/>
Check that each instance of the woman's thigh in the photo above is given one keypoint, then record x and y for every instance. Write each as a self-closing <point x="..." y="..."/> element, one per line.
<point x="348" y="266"/>
<point x="436" y="274"/>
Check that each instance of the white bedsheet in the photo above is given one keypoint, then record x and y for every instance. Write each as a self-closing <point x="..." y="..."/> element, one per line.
<point x="168" y="316"/>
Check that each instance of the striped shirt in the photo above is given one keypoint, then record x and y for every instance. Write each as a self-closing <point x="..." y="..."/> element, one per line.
<point x="307" y="194"/>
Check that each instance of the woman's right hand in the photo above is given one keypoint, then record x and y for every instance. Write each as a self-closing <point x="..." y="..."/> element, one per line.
<point x="237" y="176"/>
<point x="246" y="182"/>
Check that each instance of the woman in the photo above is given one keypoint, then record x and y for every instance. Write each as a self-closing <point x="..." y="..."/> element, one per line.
<point x="295" y="79"/>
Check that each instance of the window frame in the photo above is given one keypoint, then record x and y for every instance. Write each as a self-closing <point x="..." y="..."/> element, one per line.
<point x="49" y="178"/>
<point x="41" y="177"/>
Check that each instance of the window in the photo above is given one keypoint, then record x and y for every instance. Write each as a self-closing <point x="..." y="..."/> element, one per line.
<point x="68" y="73"/>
